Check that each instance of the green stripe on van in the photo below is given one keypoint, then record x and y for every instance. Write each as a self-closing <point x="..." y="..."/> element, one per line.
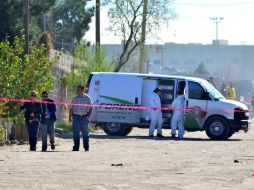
<point x="121" y="101"/>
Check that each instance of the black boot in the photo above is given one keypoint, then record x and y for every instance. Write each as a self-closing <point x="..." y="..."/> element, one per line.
<point x="44" y="148"/>
<point x="53" y="147"/>
<point x="160" y="135"/>
<point x="32" y="148"/>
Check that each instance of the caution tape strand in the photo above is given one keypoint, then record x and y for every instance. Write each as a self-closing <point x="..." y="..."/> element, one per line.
<point x="114" y="106"/>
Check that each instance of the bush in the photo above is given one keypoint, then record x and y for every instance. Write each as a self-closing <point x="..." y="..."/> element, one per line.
<point x="1" y="132"/>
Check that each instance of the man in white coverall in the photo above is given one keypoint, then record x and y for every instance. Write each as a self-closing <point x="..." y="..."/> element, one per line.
<point x="177" y="121"/>
<point x="155" y="113"/>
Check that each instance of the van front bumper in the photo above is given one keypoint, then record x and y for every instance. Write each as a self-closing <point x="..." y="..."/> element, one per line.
<point x="237" y="125"/>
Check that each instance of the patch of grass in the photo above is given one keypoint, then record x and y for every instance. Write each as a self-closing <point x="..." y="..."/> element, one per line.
<point x="1" y="132"/>
<point x="66" y="126"/>
<point x="91" y="129"/>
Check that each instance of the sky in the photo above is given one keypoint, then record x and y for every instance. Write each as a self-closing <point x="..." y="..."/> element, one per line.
<point x="193" y="23"/>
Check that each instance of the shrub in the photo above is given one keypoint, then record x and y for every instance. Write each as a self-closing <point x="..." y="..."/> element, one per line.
<point x="66" y="126"/>
<point x="1" y="132"/>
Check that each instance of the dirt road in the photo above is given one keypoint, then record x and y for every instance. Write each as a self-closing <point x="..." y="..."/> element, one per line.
<point x="133" y="162"/>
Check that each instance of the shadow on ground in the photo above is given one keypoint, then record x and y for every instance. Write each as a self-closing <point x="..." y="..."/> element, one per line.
<point x="103" y="136"/>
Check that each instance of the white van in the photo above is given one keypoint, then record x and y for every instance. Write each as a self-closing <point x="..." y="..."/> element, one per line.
<point x="210" y="111"/>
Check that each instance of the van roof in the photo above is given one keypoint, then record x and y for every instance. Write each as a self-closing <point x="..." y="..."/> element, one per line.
<point x="151" y="75"/>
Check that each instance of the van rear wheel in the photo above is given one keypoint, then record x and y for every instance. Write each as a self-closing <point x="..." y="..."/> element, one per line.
<point x="217" y="128"/>
<point x="127" y="130"/>
<point x="116" y="129"/>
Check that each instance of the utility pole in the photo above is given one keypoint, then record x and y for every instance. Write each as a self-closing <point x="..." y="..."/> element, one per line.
<point x="26" y="24"/>
<point x="44" y="23"/>
<point x="216" y="20"/>
<point x="97" y="23"/>
<point x="143" y="37"/>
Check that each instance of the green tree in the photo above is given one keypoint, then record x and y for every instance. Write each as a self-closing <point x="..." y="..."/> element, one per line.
<point x="85" y="63"/>
<point x="201" y="69"/>
<point x="69" y="21"/>
<point x="19" y="77"/>
<point x="10" y="22"/>
<point x="127" y="19"/>
<point x="11" y="19"/>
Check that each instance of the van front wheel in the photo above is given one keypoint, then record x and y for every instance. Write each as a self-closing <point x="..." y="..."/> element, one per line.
<point x="230" y="134"/>
<point x="217" y="129"/>
<point x="116" y="129"/>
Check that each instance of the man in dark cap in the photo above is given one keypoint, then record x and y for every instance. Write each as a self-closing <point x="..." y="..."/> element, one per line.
<point x="155" y="113"/>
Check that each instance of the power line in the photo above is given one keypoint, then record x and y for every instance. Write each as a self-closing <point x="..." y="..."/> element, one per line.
<point x="191" y="17"/>
<point x="214" y="4"/>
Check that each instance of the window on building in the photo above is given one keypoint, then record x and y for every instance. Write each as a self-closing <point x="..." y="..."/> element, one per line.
<point x="209" y="60"/>
<point x="192" y="61"/>
<point x="157" y="62"/>
<point x="235" y="60"/>
<point x="174" y="62"/>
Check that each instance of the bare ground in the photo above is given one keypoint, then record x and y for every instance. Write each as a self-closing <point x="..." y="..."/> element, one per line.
<point x="133" y="162"/>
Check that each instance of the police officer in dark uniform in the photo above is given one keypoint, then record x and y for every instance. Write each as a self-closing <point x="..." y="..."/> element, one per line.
<point x="32" y="110"/>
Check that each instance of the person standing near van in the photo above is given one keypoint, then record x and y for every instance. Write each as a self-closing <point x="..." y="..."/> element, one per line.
<point x="177" y="120"/>
<point x="212" y="81"/>
<point x="252" y="101"/>
<point x="223" y="90"/>
<point x="79" y="115"/>
<point x="48" y="121"/>
<point x="231" y="94"/>
<point x="32" y="112"/>
<point x="155" y="113"/>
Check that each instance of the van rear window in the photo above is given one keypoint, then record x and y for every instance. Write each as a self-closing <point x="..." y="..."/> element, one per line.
<point x="89" y="78"/>
<point x="88" y="83"/>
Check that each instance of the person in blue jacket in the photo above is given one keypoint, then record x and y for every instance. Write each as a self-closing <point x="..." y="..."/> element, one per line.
<point x="48" y="121"/>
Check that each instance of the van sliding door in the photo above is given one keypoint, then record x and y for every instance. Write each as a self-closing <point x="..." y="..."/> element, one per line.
<point x="167" y="95"/>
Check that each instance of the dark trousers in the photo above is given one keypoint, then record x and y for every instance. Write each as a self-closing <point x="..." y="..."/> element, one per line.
<point x="32" y="129"/>
<point x="80" y="123"/>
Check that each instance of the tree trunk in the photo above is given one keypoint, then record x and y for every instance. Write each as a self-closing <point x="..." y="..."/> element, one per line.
<point x="143" y="37"/>
<point x="97" y="24"/>
<point x="26" y="24"/>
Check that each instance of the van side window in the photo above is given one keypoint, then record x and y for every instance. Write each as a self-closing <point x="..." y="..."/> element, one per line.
<point x="196" y="91"/>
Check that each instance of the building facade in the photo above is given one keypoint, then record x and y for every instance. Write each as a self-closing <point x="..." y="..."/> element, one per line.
<point x="232" y="62"/>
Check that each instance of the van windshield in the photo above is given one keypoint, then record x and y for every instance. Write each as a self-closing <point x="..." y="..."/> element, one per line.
<point x="214" y="93"/>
